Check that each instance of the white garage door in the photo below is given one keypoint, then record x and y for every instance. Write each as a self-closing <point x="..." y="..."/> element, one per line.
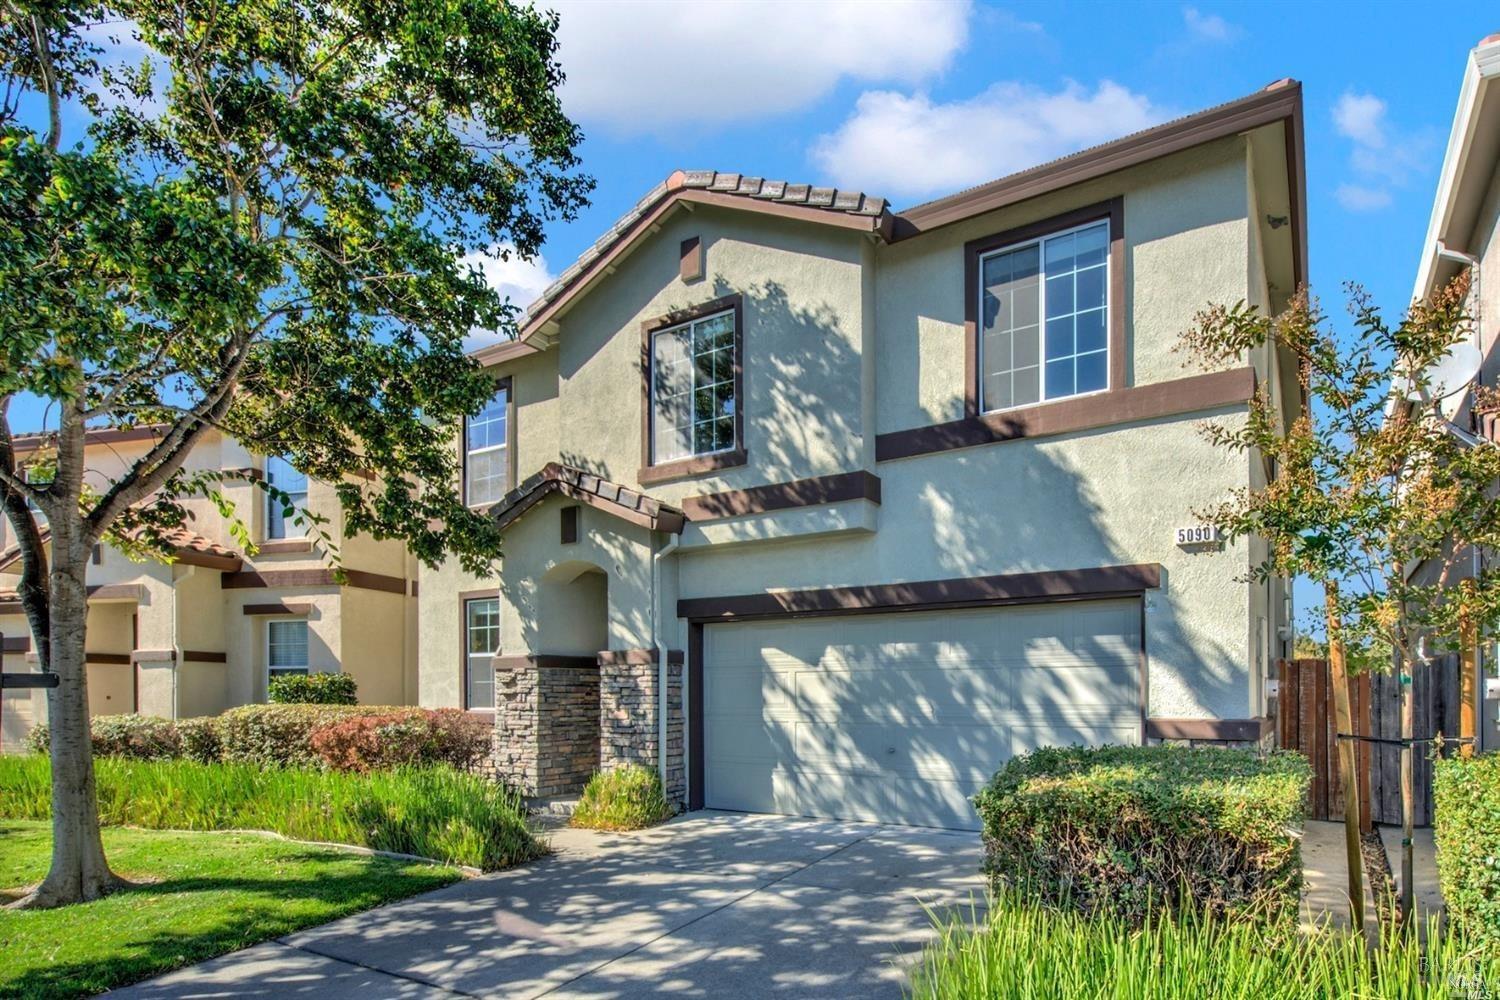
<point x="901" y="717"/>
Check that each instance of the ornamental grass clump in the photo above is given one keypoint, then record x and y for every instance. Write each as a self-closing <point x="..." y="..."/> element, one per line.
<point x="1466" y="828"/>
<point x="1023" y="949"/>
<point x="431" y="812"/>
<point x="627" y="798"/>
<point x="1130" y="830"/>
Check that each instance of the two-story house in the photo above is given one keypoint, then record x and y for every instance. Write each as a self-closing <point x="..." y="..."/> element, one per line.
<point x="1463" y="234"/>
<point x="206" y="631"/>
<point x="827" y="509"/>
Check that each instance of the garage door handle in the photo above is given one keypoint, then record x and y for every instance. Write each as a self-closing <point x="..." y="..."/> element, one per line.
<point x="890" y="749"/>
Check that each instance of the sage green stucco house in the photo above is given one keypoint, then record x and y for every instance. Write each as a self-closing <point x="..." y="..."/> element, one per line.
<point x="871" y="500"/>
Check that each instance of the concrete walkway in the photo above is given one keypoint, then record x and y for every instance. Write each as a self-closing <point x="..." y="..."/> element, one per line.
<point x="715" y="905"/>
<point x="1325" y="877"/>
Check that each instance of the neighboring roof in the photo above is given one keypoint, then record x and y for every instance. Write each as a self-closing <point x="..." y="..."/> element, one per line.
<point x="189" y="548"/>
<point x="24" y="443"/>
<point x="1280" y="101"/>
<point x="1468" y="167"/>
<point x="585" y="487"/>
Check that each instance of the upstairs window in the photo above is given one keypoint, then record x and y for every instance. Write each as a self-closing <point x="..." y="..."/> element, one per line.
<point x="281" y="474"/>
<point x="693" y="388"/>
<point x="36" y="478"/>
<point x="487" y="450"/>
<point x="1044" y="318"/>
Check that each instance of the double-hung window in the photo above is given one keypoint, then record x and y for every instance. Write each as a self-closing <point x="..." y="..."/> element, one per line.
<point x="281" y="474"/>
<point x="487" y="450"/>
<point x="694" y="388"/>
<point x="286" y="647"/>
<point x="482" y="642"/>
<point x="1044" y="318"/>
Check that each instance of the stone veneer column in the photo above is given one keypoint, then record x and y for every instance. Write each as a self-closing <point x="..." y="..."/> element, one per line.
<point x="515" y="750"/>
<point x="546" y="739"/>
<point x="628" y="714"/>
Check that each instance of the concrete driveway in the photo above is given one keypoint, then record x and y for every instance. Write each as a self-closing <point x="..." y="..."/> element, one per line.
<point x="711" y="905"/>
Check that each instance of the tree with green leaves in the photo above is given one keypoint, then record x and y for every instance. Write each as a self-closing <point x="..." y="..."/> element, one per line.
<point x="1371" y="482"/>
<point x="258" y="229"/>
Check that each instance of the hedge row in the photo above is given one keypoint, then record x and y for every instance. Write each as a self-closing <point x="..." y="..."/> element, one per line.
<point x="431" y="812"/>
<point x="343" y="737"/>
<point x="1466" y="829"/>
<point x="1126" y="831"/>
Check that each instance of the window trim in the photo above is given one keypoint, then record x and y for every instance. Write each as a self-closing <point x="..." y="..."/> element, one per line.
<point x="464" y="597"/>
<point x="306" y="668"/>
<point x="506" y="383"/>
<point x="693" y="465"/>
<point x="976" y="250"/>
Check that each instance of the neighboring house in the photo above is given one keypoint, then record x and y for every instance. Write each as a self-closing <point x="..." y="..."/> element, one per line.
<point x="205" y="632"/>
<point x="884" y="497"/>
<point x="1464" y="234"/>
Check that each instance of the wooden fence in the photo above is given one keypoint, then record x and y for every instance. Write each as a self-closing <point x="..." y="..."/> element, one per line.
<point x="1435" y="703"/>
<point x="1305" y="722"/>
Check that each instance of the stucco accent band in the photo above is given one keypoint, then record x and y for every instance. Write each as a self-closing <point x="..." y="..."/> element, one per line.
<point x="1012" y="588"/>
<point x="636" y="657"/>
<point x="1146" y="402"/>
<point x="860" y="485"/>
<point x="153" y="656"/>
<point x="278" y="609"/>
<point x="1221" y="730"/>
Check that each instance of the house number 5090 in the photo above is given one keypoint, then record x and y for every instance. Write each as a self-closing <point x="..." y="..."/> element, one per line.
<point x="1198" y="534"/>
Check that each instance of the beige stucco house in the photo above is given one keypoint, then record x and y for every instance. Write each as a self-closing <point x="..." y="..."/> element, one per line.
<point x="869" y="500"/>
<point x="204" y="632"/>
<point x="1463" y="234"/>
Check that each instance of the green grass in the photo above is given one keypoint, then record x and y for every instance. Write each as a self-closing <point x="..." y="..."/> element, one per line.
<point x="1029" y="952"/>
<point x="202" y="894"/>
<point x="627" y="798"/>
<point x="430" y="812"/>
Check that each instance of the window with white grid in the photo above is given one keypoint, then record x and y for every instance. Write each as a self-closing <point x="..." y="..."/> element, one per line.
<point x="286" y="647"/>
<point x="693" y="388"/>
<point x="487" y="451"/>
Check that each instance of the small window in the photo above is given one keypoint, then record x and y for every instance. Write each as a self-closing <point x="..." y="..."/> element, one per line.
<point x="693" y="388"/>
<point x="487" y="451"/>
<point x="286" y="647"/>
<point x="482" y="625"/>
<point x="280" y="474"/>
<point x="1044" y="318"/>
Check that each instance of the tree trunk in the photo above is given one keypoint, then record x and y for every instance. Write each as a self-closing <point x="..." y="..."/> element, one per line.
<point x="79" y="871"/>
<point x="1468" y="683"/>
<point x="1348" y="770"/>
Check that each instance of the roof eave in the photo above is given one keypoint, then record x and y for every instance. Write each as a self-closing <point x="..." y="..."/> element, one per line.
<point x="1483" y="66"/>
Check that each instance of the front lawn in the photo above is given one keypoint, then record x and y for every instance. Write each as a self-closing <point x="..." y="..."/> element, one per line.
<point x="202" y="894"/>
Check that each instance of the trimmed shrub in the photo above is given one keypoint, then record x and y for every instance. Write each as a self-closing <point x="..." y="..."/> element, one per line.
<point x="142" y="737"/>
<point x="430" y="812"/>
<point x="200" y="739"/>
<point x="281" y="735"/>
<point x="627" y="798"/>
<point x="313" y="689"/>
<point x="1126" y="830"/>
<point x="406" y="737"/>
<point x="1466" y="828"/>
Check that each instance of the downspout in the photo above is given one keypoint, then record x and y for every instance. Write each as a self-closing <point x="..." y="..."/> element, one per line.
<point x="176" y="651"/>
<point x="661" y="656"/>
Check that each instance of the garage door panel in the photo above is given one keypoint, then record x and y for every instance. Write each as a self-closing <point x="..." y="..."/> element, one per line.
<point x="825" y="716"/>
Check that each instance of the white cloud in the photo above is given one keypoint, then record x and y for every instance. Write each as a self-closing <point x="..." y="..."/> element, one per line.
<point x="1358" y="198"/>
<point x="520" y="281"/>
<point x="1209" y="27"/>
<point x="901" y="145"/>
<point x="1361" y="117"/>
<point x="652" y="66"/>
<point x="1382" y="157"/>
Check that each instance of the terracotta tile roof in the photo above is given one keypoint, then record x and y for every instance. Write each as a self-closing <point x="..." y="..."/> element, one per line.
<point x="189" y="547"/>
<point x="587" y="488"/>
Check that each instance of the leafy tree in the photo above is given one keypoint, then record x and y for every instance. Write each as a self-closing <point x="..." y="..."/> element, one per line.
<point x="1368" y="484"/>
<point x="258" y="230"/>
